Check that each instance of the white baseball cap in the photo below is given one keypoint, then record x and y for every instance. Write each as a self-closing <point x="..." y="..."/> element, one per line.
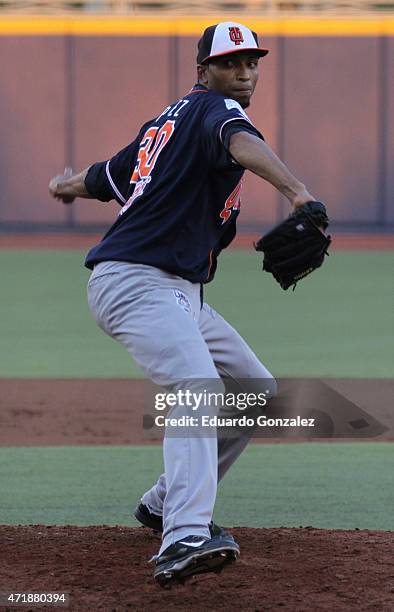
<point x="227" y="37"/>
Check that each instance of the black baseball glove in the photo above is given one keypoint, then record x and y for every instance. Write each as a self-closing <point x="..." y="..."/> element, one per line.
<point x="297" y="246"/>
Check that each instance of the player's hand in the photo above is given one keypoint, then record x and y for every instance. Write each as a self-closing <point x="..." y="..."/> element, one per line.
<point x="60" y="188"/>
<point x="302" y="198"/>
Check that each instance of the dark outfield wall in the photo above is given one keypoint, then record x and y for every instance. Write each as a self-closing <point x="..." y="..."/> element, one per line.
<point x="326" y="104"/>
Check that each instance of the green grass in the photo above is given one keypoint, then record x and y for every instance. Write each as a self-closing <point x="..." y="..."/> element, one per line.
<point x="324" y="485"/>
<point x="46" y="327"/>
<point x="339" y="322"/>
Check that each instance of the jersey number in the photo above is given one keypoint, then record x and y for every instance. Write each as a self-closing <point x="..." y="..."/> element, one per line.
<point x="233" y="202"/>
<point x="152" y="143"/>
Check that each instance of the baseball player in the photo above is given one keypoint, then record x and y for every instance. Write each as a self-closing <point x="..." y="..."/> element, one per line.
<point x="178" y="185"/>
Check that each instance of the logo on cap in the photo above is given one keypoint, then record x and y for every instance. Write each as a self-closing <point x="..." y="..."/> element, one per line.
<point x="236" y="35"/>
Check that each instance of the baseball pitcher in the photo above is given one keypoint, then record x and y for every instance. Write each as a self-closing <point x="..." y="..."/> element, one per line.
<point x="178" y="186"/>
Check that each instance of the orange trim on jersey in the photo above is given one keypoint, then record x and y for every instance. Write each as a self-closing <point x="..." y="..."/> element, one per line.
<point x="210" y="263"/>
<point x="198" y="91"/>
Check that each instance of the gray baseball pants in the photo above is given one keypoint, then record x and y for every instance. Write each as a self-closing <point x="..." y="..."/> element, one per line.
<point x="158" y="317"/>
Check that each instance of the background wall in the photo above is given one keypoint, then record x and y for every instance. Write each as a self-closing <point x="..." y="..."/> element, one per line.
<point x="325" y="104"/>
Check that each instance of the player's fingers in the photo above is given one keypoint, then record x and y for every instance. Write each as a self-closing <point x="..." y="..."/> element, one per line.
<point x="54" y="181"/>
<point x="52" y="186"/>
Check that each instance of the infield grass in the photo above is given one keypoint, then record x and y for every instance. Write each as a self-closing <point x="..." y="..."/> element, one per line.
<point x="340" y="486"/>
<point x="339" y="322"/>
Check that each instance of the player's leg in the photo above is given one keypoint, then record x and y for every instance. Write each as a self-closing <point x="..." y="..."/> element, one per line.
<point x="235" y="360"/>
<point x="155" y="316"/>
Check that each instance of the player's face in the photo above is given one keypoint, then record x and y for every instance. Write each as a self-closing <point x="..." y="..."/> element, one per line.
<point x="234" y="75"/>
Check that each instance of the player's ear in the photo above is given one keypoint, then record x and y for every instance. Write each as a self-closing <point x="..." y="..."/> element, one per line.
<point x="202" y="74"/>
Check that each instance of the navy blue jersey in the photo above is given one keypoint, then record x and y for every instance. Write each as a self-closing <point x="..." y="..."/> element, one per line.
<point x="178" y="187"/>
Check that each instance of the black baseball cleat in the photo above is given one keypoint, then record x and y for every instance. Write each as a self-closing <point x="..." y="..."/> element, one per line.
<point x="155" y="521"/>
<point x="194" y="555"/>
<point x="147" y="518"/>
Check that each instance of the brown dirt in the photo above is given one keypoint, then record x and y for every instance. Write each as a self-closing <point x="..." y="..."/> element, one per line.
<point x="105" y="568"/>
<point x="67" y="412"/>
<point x="86" y="241"/>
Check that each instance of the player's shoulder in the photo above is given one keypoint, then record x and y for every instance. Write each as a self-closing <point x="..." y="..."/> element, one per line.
<point x="220" y="104"/>
<point x="234" y="107"/>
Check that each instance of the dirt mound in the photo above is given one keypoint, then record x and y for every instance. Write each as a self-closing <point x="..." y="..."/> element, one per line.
<point x="106" y="568"/>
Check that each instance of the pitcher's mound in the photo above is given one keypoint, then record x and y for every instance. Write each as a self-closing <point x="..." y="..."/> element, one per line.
<point x="106" y="568"/>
